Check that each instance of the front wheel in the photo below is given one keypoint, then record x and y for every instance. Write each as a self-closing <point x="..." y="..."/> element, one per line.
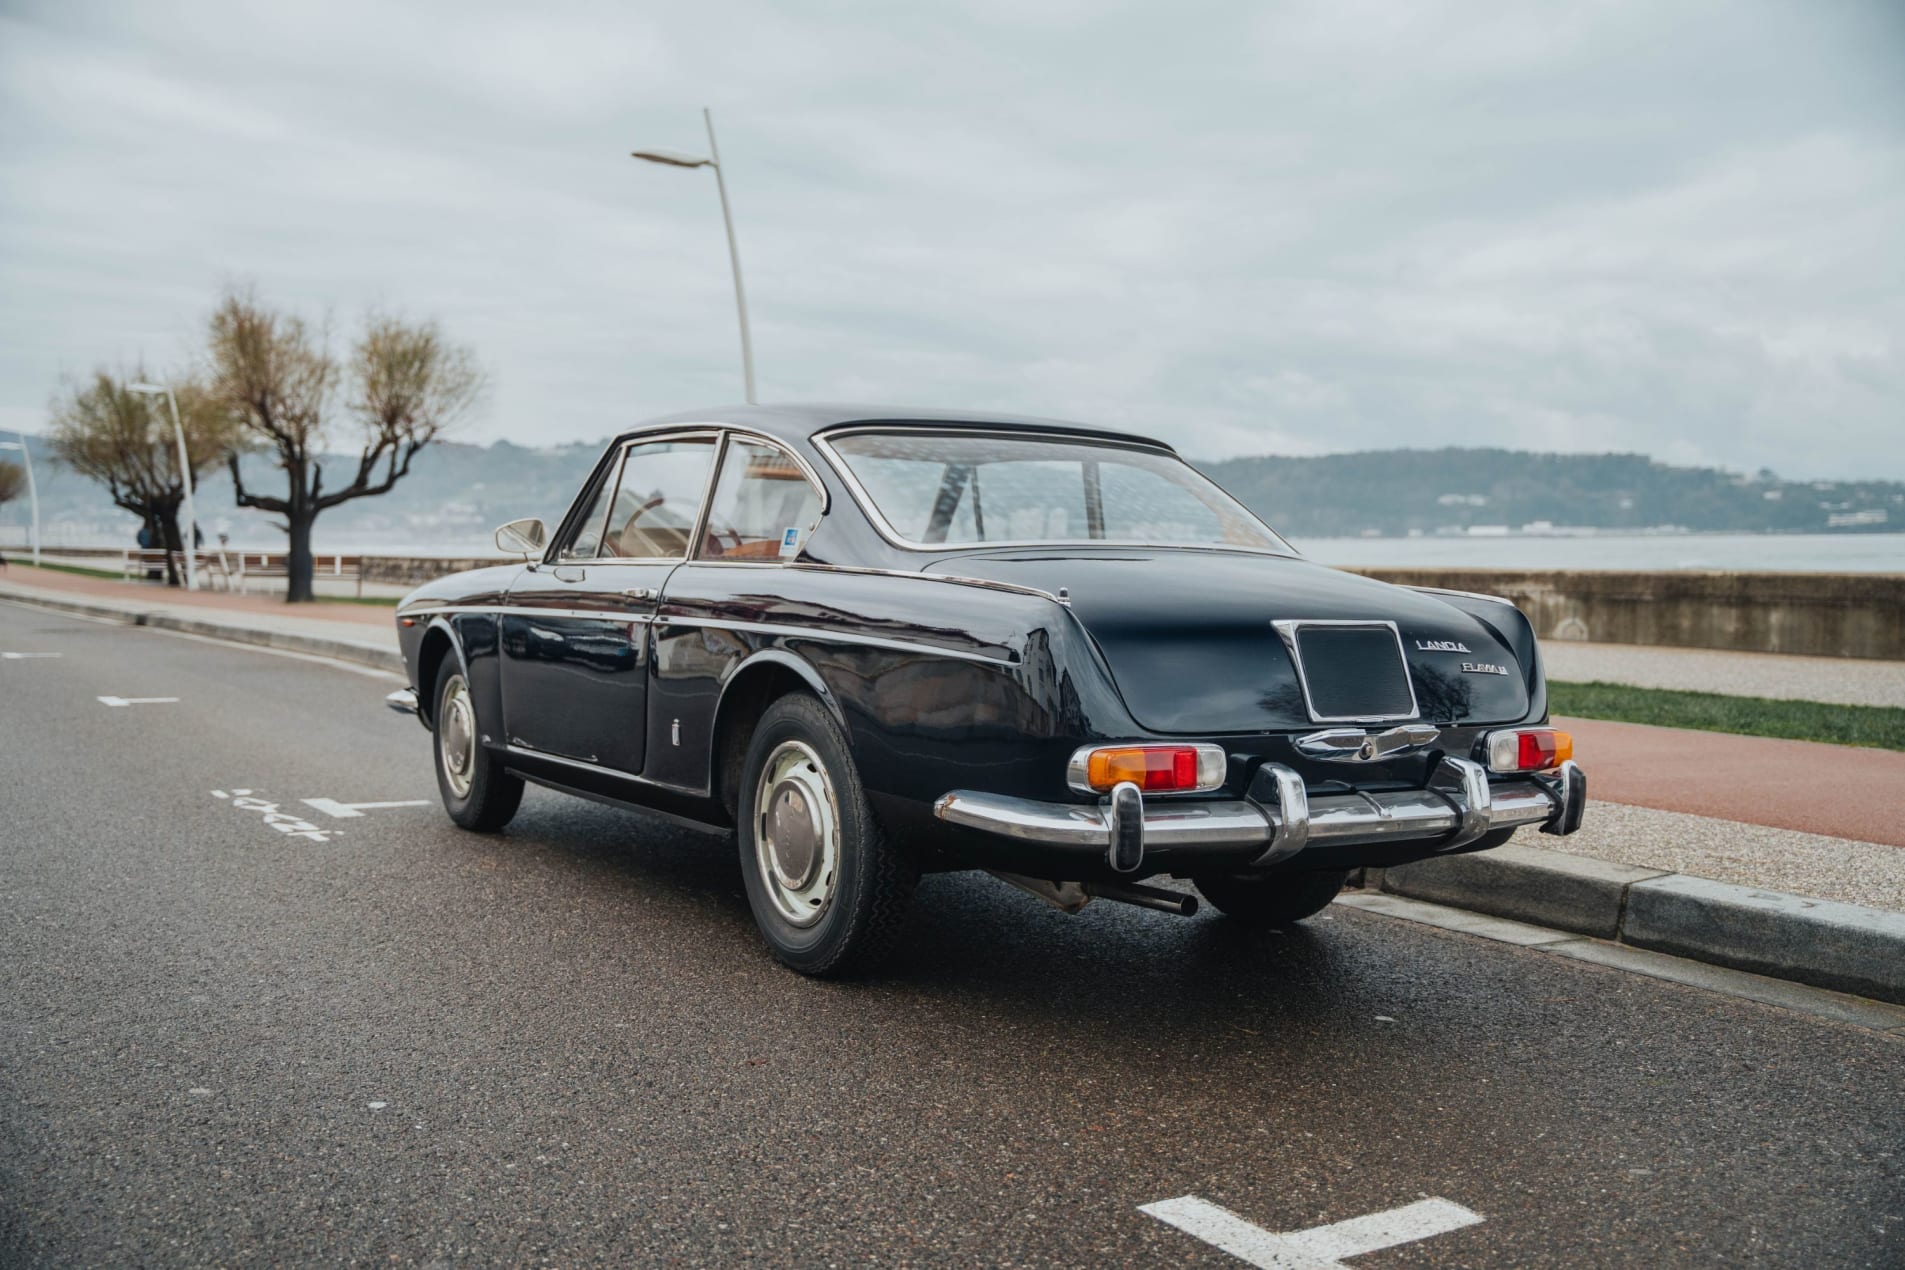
<point x="476" y="791"/>
<point x="1280" y="899"/>
<point x="828" y="891"/>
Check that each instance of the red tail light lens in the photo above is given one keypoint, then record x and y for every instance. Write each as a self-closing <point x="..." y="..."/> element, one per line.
<point x="1154" y="769"/>
<point x="1528" y="750"/>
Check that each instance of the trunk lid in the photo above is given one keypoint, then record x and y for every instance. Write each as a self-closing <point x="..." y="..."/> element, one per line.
<point x="1189" y="639"/>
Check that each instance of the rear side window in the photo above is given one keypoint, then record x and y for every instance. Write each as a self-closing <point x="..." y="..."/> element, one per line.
<point x="763" y="507"/>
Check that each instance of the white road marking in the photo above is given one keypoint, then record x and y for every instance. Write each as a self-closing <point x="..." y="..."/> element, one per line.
<point x="136" y="701"/>
<point x="283" y="822"/>
<point x="344" y="811"/>
<point x="376" y="1106"/>
<point x="1318" y="1248"/>
<point x="25" y="656"/>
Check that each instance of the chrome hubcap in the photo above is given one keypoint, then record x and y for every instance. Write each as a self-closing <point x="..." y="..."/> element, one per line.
<point x="797" y="833"/>
<point x="456" y="737"/>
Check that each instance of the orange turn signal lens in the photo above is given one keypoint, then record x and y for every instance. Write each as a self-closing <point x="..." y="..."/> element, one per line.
<point x="1154" y="769"/>
<point x="1528" y="750"/>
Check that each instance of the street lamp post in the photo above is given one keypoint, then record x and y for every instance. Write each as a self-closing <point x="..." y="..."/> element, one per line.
<point x="676" y="159"/>
<point x="32" y="493"/>
<point x="185" y="476"/>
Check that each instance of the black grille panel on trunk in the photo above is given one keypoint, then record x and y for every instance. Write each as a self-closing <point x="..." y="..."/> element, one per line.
<point x="1352" y="672"/>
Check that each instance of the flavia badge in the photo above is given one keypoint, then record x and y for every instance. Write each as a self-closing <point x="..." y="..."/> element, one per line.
<point x="790" y="543"/>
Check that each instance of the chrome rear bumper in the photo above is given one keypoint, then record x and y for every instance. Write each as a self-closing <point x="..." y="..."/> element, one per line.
<point x="1458" y="807"/>
<point x="403" y="701"/>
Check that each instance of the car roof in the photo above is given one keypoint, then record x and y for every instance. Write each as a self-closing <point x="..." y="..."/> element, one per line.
<point x="803" y="422"/>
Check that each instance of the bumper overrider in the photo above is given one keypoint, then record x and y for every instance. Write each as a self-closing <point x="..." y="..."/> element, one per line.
<point x="1460" y="805"/>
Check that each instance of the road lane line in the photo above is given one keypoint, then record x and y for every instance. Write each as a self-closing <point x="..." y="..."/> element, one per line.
<point x="26" y="656"/>
<point x="1318" y="1248"/>
<point x="345" y="811"/>
<point x="137" y="701"/>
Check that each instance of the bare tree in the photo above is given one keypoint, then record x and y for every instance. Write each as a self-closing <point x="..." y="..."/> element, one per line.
<point x="125" y="441"/>
<point x="12" y="482"/>
<point x="277" y="376"/>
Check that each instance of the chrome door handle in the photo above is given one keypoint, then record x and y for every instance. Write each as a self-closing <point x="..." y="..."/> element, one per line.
<point x="641" y="593"/>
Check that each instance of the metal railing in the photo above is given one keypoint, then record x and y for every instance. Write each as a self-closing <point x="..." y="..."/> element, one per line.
<point x="221" y="569"/>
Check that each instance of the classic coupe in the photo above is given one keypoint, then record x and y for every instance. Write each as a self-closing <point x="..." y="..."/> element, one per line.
<point x="876" y="642"/>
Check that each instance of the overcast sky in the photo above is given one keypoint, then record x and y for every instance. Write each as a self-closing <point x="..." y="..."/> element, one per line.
<point x="1672" y="226"/>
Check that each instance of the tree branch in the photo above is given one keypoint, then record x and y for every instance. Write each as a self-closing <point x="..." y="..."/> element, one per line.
<point x="263" y="502"/>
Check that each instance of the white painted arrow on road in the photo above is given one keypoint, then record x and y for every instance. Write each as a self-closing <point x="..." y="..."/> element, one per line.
<point x="136" y="701"/>
<point x="1318" y="1248"/>
<point x="344" y="811"/>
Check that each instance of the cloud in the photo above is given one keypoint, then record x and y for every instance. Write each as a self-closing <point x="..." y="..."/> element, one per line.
<point x="1621" y="225"/>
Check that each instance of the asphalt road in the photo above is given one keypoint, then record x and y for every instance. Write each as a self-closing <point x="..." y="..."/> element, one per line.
<point x="223" y="1043"/>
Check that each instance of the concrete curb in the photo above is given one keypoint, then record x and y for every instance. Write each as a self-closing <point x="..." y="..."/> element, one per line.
<point x="357" y="652"/>
<point x="1843" y="947"/>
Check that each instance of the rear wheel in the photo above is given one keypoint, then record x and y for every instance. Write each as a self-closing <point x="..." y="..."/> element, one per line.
<point x="1277" y="900"/>
<point x="476" y="791"/>
<point x="828" y="891"/>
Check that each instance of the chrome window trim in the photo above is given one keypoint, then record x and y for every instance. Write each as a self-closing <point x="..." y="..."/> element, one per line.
<point x="823" y="442"/>
<point x="608" y="509"/>
<point x="752" y="434"/>
<point x="714" y="483"/>
<point x="662" y="432"/>
<point x="1287" y="629"/>
<point x="674" y="432"/>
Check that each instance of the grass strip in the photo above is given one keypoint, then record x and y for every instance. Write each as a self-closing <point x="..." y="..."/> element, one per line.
<point x="1875" y="727"/>
<point x="81" y="570"/>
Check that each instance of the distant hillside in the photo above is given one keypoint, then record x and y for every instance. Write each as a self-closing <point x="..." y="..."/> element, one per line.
<point x="456" y="494"/>
<point x="1397" y="492"/>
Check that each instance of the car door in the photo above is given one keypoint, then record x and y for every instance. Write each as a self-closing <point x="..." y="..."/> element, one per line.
<point x="764" y="507"/>
<point x="575" y="638"/>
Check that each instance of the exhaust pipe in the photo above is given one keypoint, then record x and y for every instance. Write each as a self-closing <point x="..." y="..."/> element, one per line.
<point x="1144" y="896"/>
<point x="1069" y="897"/>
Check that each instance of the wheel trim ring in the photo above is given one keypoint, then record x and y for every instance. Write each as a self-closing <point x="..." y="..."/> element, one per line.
<point x="794" y="769"/>
<point x="456" y="738"/>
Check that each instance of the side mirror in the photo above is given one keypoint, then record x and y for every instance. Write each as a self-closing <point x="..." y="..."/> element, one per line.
<point x="523" y="538"/>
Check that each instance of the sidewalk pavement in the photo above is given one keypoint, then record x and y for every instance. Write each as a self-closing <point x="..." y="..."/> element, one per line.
<point x="1797" y="817"/>
<point x="363" y="634"/>
<point x="154" y="597"/>
<point x="1845" y="681"/>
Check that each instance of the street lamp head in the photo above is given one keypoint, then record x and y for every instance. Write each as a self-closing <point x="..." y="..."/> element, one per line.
<point x="148" y="389"/>
<point x="673" y="158"/>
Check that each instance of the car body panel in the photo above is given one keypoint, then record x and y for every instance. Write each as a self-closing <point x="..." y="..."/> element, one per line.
<point x="1189" y="638"/>
<point x="977" y="669"/>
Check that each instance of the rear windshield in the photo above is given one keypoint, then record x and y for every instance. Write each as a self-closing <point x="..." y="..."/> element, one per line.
<point x="959" y="488"/>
